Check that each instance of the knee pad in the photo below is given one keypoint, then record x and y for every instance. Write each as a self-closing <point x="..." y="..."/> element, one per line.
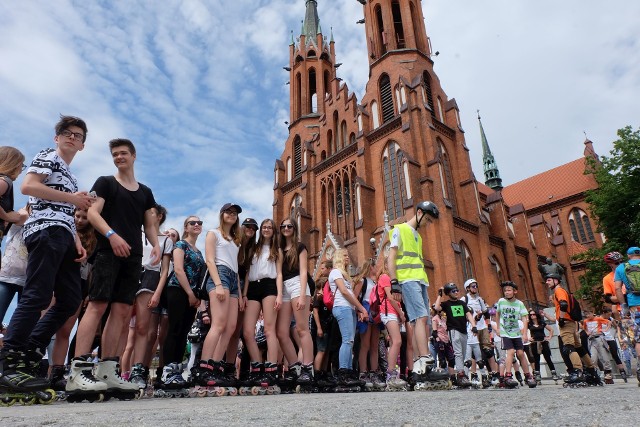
<point x="468" y="363"/>
<point x="567" y="349"/>
<point x="487" y="353"/>
<point x="480" y="364"/>
<point x="581" y="352"/>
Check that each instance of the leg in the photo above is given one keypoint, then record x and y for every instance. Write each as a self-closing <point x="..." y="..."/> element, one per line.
<point x="284" y="334"/>
<point x="142" y="328"/>
<point x="344" y="316"/>
<point x="365" y="340"/>
<point x="269" y="314"/>
<point x="374" y="342"/>
<point x="7" y="292"/>
<point x="251" y="314"/>
<point x="128" y="355"/>
<point x="178" y="304"/>
<point x="118" y="318"/>
<point x="396" y="341"/>
<point x="88" y="326"/>
<point x="302" y="329"/>
<point x="546" y="352"/>
<point x="62" y="340"/>
<point x="219" y="312"/>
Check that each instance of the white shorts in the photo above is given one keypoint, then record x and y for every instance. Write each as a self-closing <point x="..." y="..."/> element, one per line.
<point x="386" y="318"/>
<point x="291" y="289"/>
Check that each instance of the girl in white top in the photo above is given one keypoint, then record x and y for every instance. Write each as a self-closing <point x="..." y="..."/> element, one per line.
<point x="221" y="256"/>
<point x="262" y="290"/>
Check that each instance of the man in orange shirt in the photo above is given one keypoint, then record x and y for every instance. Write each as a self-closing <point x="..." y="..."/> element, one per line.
<point x="613" y="260"/>
<point x="569" y="333"/>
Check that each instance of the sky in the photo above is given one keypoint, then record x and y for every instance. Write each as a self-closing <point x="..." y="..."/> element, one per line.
<point x="199" y="87"/>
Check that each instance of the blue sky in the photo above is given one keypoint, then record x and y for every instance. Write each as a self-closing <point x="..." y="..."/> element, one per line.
<point x="199" y="86"/>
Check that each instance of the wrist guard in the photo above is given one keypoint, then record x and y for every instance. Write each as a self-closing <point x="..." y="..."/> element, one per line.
<point x="395" y="287"/>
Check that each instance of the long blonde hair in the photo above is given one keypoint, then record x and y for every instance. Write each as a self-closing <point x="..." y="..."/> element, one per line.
<point x="384" y="269"/>
<point x="338" y="263"/>
<point x="364" y="271"/>
<point x="11" y="160"/>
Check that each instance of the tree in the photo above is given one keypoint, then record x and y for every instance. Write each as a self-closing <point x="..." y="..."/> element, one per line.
<point x="615" y="205"/>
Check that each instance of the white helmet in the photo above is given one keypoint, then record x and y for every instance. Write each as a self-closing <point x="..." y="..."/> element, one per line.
<point x="469" y="282"/>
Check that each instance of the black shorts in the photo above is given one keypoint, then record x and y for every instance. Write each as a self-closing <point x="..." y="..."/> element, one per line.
<point x="512" y="343"/>
<point x="115" y="279"/>
<point x="149" y="280"/>
<point x="261" y="289"/>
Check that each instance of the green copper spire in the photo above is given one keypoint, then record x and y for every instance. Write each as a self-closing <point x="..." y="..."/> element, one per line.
<point x="311" y="24"/>
<point x="491" y="172"/>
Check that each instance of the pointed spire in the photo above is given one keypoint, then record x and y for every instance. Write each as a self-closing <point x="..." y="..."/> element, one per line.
<point x="491" y="172"/>
<point x="292" y="43"/>
<point x="332" y="41"/>
<point x="311" y="22"/>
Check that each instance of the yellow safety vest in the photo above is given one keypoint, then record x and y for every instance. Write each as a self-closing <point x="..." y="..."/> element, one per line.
<point x="409" y="262"/>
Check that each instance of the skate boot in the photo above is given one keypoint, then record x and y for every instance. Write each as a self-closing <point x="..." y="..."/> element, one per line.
<point x="623" y="375"/>
<point x="592" y="377"/>
<point x="139" y="376"/>
<point x="305" y="382"/>
<point x="254" y="383"/>
<point x="378" y="383"/>
<point x="17" y="382"/>
<point x="82" y="384"/>
<point x="509" y="382"/>
<point x="173" y="383"/>
<point x="394" y="382"/>
<point x="554" y="376"/>
<point x="538" y="377"/>
<point x="365" y="378"/>
<point x="574" y="379"/>
<point x="531" y="380"/>
<point x="495" y="379"/>
<point x="608" y="378"/>
<point x="288" y="383"/>
<point x="475" y="381"/>
<point x="462" y="381"/>
<point x="519" y="378"/>
<point x="326" y="381"/>
<point x="107" y="371"/>
<point x="347" y="381"/>
<point x="58" y="381"/>
<point x="270" y="378"/>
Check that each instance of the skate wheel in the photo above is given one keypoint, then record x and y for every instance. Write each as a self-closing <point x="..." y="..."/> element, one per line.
<point x="220" y="391"/>
<point x="7" y="401"/>
<point x="202" y="392"/>
<point x="243" y="392"/>
<point x="27" y="400"/>
<point x="298" y="389"/>
<point x="233" y="391"/>
<point x="48" y="396"/>
<point x="255" y="391"/>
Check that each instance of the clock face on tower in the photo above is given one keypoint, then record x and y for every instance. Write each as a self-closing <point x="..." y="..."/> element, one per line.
<point x="329" y="252"/>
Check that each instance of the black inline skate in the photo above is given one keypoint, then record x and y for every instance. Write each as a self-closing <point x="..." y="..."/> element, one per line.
<point x="574" y="379"/>
<point x="17" y="381"/>
<point x="348" y="382"/>
<point x="305" y="382"/>
<point x="592" y="377"/>
<point x="509" y="382"/>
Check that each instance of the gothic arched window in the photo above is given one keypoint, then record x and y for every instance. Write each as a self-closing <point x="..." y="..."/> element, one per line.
<point x="427" y="92"/>
<point x="386" y="98"/>
<point x="297" y="157"/>
<point x="580" y="226"/>
<point x="393" y="178"/>
<point x="446" y="176"/>
<point x="466" y="260"/>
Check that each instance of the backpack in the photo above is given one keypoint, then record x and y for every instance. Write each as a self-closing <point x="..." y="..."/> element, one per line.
<point x="632" y="271"/>
<point x="374" y="305"/>
<point x="327" y="296"/>
<point x="575" y="311"/>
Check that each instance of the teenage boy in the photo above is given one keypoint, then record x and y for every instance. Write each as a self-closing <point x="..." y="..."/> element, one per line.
<point x="409" y="284"/>
<point x="123" y="206"/>
<point x="458" y="314"/>
<point x="55" y="256"/>
<point x="481" y="313"/>
<point x="509" y="310"/>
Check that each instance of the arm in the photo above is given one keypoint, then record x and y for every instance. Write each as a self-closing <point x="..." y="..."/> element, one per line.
<point x="164" y="275"/>
<point x="151" y="232"/>
<point x="33" y="185"/>
<point x="210" y="243"/>
<point x="279" y="279"/>
<point x="525" y="327"/>
<point x="550" y="329"/>
<point x="349" y="297"/>
<point x="438" y="304"/>
<point x="302" y="299"/>
<point x="178" y="269"/>
<point x="396" y="290"/>
<point x="497" y="331"/>
<point x="619" y="295"/>
<point x="119" y="246"/>
<point x="471" y="319"/>
<point x="17" y="217"/>
<point x="396" y="306"/>
<point x="316" y="318"/>
<point x="358" y="287"/>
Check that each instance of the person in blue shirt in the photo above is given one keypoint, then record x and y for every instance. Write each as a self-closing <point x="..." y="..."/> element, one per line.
<point x="626" y="275"/>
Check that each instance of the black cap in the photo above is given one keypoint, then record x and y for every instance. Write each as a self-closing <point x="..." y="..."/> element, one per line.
<point x="231" y="205"/>
<point x="250" y="222"/>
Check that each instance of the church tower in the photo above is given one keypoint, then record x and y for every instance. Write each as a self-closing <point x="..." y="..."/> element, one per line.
<point x="491" y="173"/>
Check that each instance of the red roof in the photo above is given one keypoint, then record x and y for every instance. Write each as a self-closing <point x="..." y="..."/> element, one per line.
<point x="554" y="184"/>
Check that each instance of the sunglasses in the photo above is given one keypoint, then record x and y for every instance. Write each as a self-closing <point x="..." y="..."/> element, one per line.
<point x="194" y="222"/>
<point x="455" y="291"/>
<point x="474" y="286"/>
<point x="286" y="226"/>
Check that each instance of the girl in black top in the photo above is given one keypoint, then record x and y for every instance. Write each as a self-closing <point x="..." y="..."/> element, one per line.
<point x="540" y="341"/>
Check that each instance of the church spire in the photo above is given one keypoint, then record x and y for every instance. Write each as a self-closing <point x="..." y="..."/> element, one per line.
<point x="311" y="24"/>
<point x="491" y="172"/>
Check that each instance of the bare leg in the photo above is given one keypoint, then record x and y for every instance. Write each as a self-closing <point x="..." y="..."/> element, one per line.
<point x="88" y="327"/>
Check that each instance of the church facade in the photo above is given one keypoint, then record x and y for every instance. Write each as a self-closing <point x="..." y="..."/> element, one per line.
<point x="351" y="168"/>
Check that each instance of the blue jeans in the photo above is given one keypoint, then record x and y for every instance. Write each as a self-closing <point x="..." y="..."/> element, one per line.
<point x="346" y="317"/>
<point x="7" y="291"/>
<point x="51" y="268"/>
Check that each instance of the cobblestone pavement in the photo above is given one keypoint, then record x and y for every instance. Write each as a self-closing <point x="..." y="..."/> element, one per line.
<point x="548" y="405"/>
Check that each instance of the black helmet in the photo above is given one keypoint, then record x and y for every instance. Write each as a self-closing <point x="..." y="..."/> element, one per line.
<point x="553" y="276"/>
<point x="508" y="283"/>
<point x="250" y="222"/>
<point x="428" y="207"/>
<point x="449" y="287"/>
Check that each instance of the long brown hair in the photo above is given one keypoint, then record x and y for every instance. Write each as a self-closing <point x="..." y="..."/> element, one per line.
<point x="273" y="244"/>
<point x="87" y="236"/>
<point x="364" y="271"/>
<point x="291" y="257"/>
<point x="234" y="234"/>
<point x="247" y="247"/>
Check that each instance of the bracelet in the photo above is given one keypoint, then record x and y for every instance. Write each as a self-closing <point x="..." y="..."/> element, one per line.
<point x="109" y="233"/>
<point x="219" y="284"/>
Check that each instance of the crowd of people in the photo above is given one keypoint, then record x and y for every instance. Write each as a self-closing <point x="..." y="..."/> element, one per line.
<point x="251" y="312"/>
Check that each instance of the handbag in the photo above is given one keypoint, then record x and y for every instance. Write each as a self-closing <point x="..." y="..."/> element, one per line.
<point x="200" y="291"/>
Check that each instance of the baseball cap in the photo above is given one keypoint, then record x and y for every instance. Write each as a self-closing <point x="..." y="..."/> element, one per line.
<point x="250" y="222"/>
<point x="633" y="250"/>
<point x="229" y="206"/>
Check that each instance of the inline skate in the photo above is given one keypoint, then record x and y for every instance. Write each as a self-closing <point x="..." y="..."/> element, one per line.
<point x="17" y="382"/>
<point x="82" y="384"/>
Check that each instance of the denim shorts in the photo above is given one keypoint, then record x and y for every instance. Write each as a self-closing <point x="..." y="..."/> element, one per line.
<point x="416" y="300"/>
<point x="228" y="278"/>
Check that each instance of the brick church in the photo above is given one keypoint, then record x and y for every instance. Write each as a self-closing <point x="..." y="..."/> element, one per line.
<point x="351" y="168"/>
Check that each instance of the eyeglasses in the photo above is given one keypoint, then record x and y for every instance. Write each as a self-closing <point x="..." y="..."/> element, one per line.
<point x="455" y="291"/>
<point x="287" y="226"/>
<point x="194" y="222"/>
<point x="231" y="212"/>
<point x="75" y="135"/>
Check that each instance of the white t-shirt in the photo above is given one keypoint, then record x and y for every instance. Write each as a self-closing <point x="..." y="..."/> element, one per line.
<point x="166" y="246"/>
<point x="261" y="267"/>
<point x="396" y="242"/>
<point x="478" y="306"/>
<point x="227" y="251"/>
<point x="46" y="213"/>
<point x="370" y="285"/>
<point x="339" y="300"/>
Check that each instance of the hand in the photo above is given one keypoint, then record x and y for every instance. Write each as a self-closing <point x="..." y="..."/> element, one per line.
<point x="320" y="333"/>
<point x="205" y="318"/>
<point x="82" y="252"/>
<point x="434" y="335"/>
<point x="402" y="318"/>
<point x="278" y="303"/>
<point x="154" y="301"/>
<point x="301" y="302"/>
<point x="21" y="216"/>
<point x="220" y="295"/>
<point x="561" y="322"/>
<point x="396" y="290"/>
<point x="547" y="338"/>
<point x="440" y="292"/>
<point x="363" y="316"/>
<point x="474" y="330"/>
<point x="119" y="246"/>
<point x="155" y="255"/>
<point x="242" y="303"/>
<point x="193" y="301"/>
<point x="82" y="200"/>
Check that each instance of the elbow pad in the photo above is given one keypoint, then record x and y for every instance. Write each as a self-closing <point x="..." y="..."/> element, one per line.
<point x="564" y="306"/>
<point x="607" y="298"/>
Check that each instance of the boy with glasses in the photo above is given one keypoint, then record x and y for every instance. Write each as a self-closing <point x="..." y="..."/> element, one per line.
<point x="53" y="266"/>
<point x="458" y="314"/>
<point x="123" y="206"/>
